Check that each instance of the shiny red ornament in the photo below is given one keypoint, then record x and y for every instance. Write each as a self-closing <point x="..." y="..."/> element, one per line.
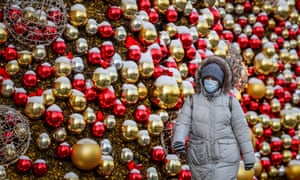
<point x="246" y="99"/>
<point x="156" y="55"/>
<point x="242" y="21"/>
<point x="158" y="153"/>
<point x="218" y="27"/>
<point x="119" y="109"/>
<point x="10" y="53"/>
<point x="276" y="158"/>
<point x="105" y="30"/>
<point x="292" y="34"/>
<point x="94" y="56"/>
<point x="266" y="163"/>
<point x="99" y="116"/>
<point x="265" y="108"/>
<point x="192" y="68"/>
<point x="55" y="15"/>
<point x="107" y="50"/>
<point x="243" y="41"/>
<point x="24" y="164"/>
<point x="186" y="40"/>
<point x="141" y="114"/>
<point x="34" y="33"/>
<point x="190" y="52"/>
<point x="261" y="77"/>
<point x="106" y="98"/>
<point x="50" y="32"/>
<point x="14" y="13"/>
<point x="153" y="16"/>
<point x="20" y="98"/>
<point x="134" y="175"/>
<point x="228" y="35"/>
<point x="90" y="94"/>
<point x="98" y="129"/>
<point x="295" y="144"/>
<point x="144" y="5"/>
<point x="19" y="28"/>
<point x="280" y="66"/>
<point x="253" y="105"/>
<point x="79" y="84"/>
<point x="258" y="30"/>
<point x="40" y="167"/>
<point x="279" y="92"/>
<point x="63" y="150"/>
<point x="280" y="41"/>
<point x="54" y="119"/>
<point x="8" y="136"/>
<point x="171" y="15"/>
<point x="250" y="70"/>
<point x="294" y="154"/>
<point x="134" y="53"/>
<point x="297" y="68"/>
<point x="44" y="70"/>
<point x="193" y="17"/>
<point x="216" y="13"/>
<point x="268" y="132"/>
<point x="114" y="13"/>
<point x="201" y="44"/>
<point x="170" y="63"/>
<point x="164" y="51"/>
<point x="255" y="42"/>
<point x="297" y="5"/>
<point x="29" y="79"/>
<point x="287" y="96"/>
<point x="276" y="145"/>
<point x="59" y="46"/>
<point x="247" y="6"/>
<point x="263" y="19"/>
<point x="185" y="174"/>
<point x="1" y="15"/>
<point x="292" y="132"/>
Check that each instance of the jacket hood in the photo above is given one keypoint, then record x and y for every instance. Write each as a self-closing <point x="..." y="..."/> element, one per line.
<point x="228" y="79"/>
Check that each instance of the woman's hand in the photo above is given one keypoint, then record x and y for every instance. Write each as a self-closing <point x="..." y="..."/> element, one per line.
<point x="179" y="147"/>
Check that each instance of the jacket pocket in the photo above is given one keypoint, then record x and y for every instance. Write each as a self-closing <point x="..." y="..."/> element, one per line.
<point x="229" y="151"/>
<point x="196" y="153"/>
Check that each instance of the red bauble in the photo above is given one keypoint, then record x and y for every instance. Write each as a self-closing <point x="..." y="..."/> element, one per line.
<point x="106" y="98"/>
<point x="153" y="16"/>
<point x="280" y="41"/>
<point x="158" y="71"/>
<point x="279" y="92"/>
<point x="59" y="46"/>
<point x="105" y="30"/>
<point x="164" y="51"/>
<point x="258" y="30"/>
<point x="295" y="144"/>
<point x="243" y="21"/>
<point x="107" y="50"/>
<point x="170" y="63"/>
<point x="287" y="96"/>
<point x="266" y="163"/>
<point x="40" y="167"/>
<point x="158" y="153"/>
<point x="94" y="56"/>
<point x="54" y="118"/>
<point x="99" y="116"/>
<point x="280" y="66"/>
<point x="98" y="129"/>
<point x="190" y="52"/>
<point x="186" y="40"/>
<point x="50" y="32"/>
<point x="63" y="150"/>
<point x="292" y="132"/>
<point x="218" y="27"/>
<point x="79" y="84"/>
<point x="119" y="109"/>
<point x="297" y="67"/>
<point x="156" y="55"/>
<point x="247" y="6"/>
<point x="134" y="53"/>
<point x="292" y="34"/>
<point x="55" y="15"/>
<point x="44" y="70"/>
<point x="201" y="44"/>
<point x="276" y="158"/>
<point x="276" y="144"/>
<point x="19" y="28"/>
<point x="141" y="114"/>
<point x="29" y="79"/>
<point x="263" y="19"/>
<point x="253" y="105"/>
<point x="243" y="41"/>
<point x="14" y="13"/>
<point x="228" y="35"/>
<point x="265" y="108"/>
<point x="114" y="13"/>
<point x="144" y="5"/>
<point x="193" y="18"/>
<point x="10" y="53"/>
<point x="171" y="15"/>
<point x="134" y="175"/>
<point x="90" y="94"/>
<point x="184" y="174"/>
<point x="192" y="68"/>
<point x="251" y="70"/>
<point x="255" y="42"/>
<point x="298" y="5"/>
<point x="20" y="98"/>
<point x="292" y="86"/>
<point x="215" y="12"/>
<point x="246" y="99"/>
<point x="268" y="132"/>
<point x="24" y="164"/>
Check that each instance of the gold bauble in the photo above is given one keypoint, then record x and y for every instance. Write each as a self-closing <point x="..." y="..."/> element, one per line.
<point x="294" y="16"/>
<point x="208" y="3"/>
<point x="171" y="29"/>
<point x="208" y="16"/>
<point x="268" y="50"/>
<point x="62" y="87"/>
<point x="184" y="70"/>
<point x="34" y="108"/>
<point x="179" y="4"/>
<point x="130" y="72"/>
<point x="164" y="115"/>
<point x="129" y="8"/>
<point x="81" y="46"/>
<point x="281" y="10"/>
<point x="267" y="7"/>
<point x="229" y="7"/>
<point x="3" y="33"/>
<point x="265" y="120"/>
<point x="113" y="73"/>
<point x="275" y="105"/>
<point x="263" y="65"/>
<point x="256" y="88"/>
<point x="155" y="125"/>
<point x="276" y="125"/>
<point x="62" y="66"/>
<point x="71" y="32"/>
<point x="293" y="57"/>
<point x="273" y="172"/>
<point x="187" y="88"/>
<point x="148" y="34"/>
<point x="12" y="67"/>
<point x="269" y="92"/>
<point x="106" y="166"/>
<point x="286" y="156"/>
<point x="78" y="15"/>
<point x="288" y="119"/>
<point x="143" y="138"/>
<point x="161" y="5"/>
<point x="86" y="154"/>
<point x="101" y="78"/>
<point x="24" y="58"/>
<point x="76" y="123"/>
<point x="39" y="52"/>
<point x="109" y="121"/>
<point x="89" y="115"/>
<point x="221" y="49"/>
<point x="129" y="94"/>
<point x="255" y="9"/>
<point x="77" y="101"/>
<point x="172" y="165"/>
<point x="287" y="141"/>
<point x="292" y="170"/>
<point x="166" y="92"/>
<point x="243" y="174"/>
<point x="60" y="134"/>
<point x="252" y="19"/>
<point x="202" y="26"/>
<point x="120" y="33"/>
<point x="176" y="50"/>
<point x="40" y="17"/>
<point x="264" y="176"/>
<point x="48" y="97"/>
<point x="126" y="155"/>
<point x="91" y="27"/>
<point x="258" y="130"/>
<point x="213" y="38"/>
<point x="7" y="88"/>
<point x="142" y="91"/>
<point x="146" y="66"/>
<point x="248" y="55"/>
<point x="257" y="167"/>
<point x="228" y="21"/>
<point x="284" y="55"/>
<point x="265" y="149"/>
<point x="129" y="130"/>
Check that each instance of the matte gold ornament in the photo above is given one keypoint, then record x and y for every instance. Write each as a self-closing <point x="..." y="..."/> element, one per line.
<point x="76" y="123"/>
<point x="60" y="134"/>
<point x="77" y="101"/>
<point x="161" y="5"/>
<point x="4" y="34"/>
<point x="62" y="87"/>
<point x="48" y="97"/>
<point x="146" y="66"/>
<point x="109" y="121"/>
<point x="106" y="166"/>
<point x="126" y="155"/>
<point x="155" y="125"/>
<point x="129" y="130"/>
<point x="292" y="170"/>
<point x="39" y="52"/>
<point x="43" y="141"/>
<point x="171" y="165"/>
<point x="129" y="8"/>
<point x="148" y="34"/>
<point x="202" y="26"/>
<point x="243" y="174"/>
<point x="35" y="108"/>
<point x="101" y="78"/>
<point x="129" y="94"/>
<point x="171" y="29"/>
<point x="86" y="154"/>
<point x="71" y="32"/>
<point x="12" y="67"/>
<point x="78" y="15"/>
<point x="176" y="50"/>
<point x="130" y="72"/>
<point x="256" y="88"/>
<point x="89" y="115"/>
<point x="24" y="58"/>
<point x="91" y="27"/>
<point x="143" y="138"/>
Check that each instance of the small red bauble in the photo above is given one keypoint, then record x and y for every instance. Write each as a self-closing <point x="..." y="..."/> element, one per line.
<point x="255" y="42"/>
<point x="158" y="153"/>
<point x="228" y="35"/>
<point x="14" y="13"/>
<point x="114" y="13"/>
<point x="263" y="19"/>
<point x="10" y="53"/>
<point x="98" y="129"/>
<point x="29" y="79"/>
<point x="190" y="52"/>
<point x="258" y="30"/>
<point x="134" y="53"/>
<point x="279" y="92"/>
<point x="216" y="13"/>
<point x="292" y="86"/>
<point x="246" y="99"/>
<point x="192" y="68"/>
<point x="253" y="105"/>
<point x="292" y="132"/>
<point x="276" y="158"/>
<point x="218" y="27"/>
<point x="164" y="50"/>
<point x="184" y="173"/>
<point x="141" y="114"/>
<point x="94" y="56"/>
<point x="292" y="34"/>
<point x="19" y="28"/>
<point x="24" y="164"/>
<point x="243" y="41"/>
<point x="156" y="55"/>
<point x="186" y="40"/>
<point x="201" y="44"/>
<point x="34" y="34"/>
<point x="106" y="98"/>
<point x="105" y="30"/>
<point x="144" y="5"/>
<point x="99" y="116"/>
<point x="287" y="96"/>
<point x="119" y="109"/>
<point x="63" y="150"/>
<point x="134" y="175"/>
<point x="280" y="41"/>
<point x="153" y="16"/>
<point x="40" y="167"/>
<point x="54" y="116"/>
<point x="265" y="108"/>
<point x="242" y="21"/>
<point x="268" y="132"/>
<point x="78" y="84"/>
<point x="171" y="15"/>
<point x="20" y="97"/>
<point x="50" y="31"/>
<point x="193" y="17"/>
<point x="276" y="144"/>
<point x="295" y="144"/>
<point x="247" y="6"/>
<point x="170" y="63"/>
<point x="266" y="163"/>
<point x="90" y="94"/>
<point x="107" y="50"/>
<point x="44" y="70"/>
<point x="59" y="46"/>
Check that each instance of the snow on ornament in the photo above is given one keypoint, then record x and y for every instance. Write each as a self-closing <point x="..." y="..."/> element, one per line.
<point x="14" y="133"/>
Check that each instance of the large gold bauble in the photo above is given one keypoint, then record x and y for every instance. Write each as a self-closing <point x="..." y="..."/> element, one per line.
<point x="143" y="138"/>
<point x="243" y="174"/>
<point x="172" y="165"/>
<point x="130" y="72"/>
<point x="3" y="33"/>
<point x="24" y="58"/>
<point x="148" y="33"/>
<point x="166" y="92"/>
<point x="101" y="78"/>
<point x="155" y="125"/>
<point x="129" y="8"/>
<point x="281" y="10"/>
<point x="251" y="117"/>
<point x="187" y="88"/>
<point x="256" y="88"/>
<point x="129" y="94"/>
<point x="12" y="67"/>
<point x="161" y="5"/>
<point x="176" y="50"/>
<point x="106" y="166"/>
<point x="76" y="123"/>
<point x="257" y="167"/>
<point x="62" y="87"/>
<point x="202" y="26"/>
<point x="264" y="65"/>
<point x="78" y="15"/>
<point x="86" y="154"/>
<point x="77" y="101"/>
<point x="276" y="125"/>
<point x="286" y="156"/>
<point x="129" y="130"/>
<point x="48" y="97"/>
<point x="35" y="108"/>
<point x="292" y="170"/>
<point x="288" y="119"/>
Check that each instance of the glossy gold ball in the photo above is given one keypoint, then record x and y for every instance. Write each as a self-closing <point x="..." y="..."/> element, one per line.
<point x="276" y="125"/>
<point x="130" y="72"/>
<point x="78" y="15"/>
<point x="129" y="130"/>
<point x="202" y="26"/>
<point x="101" y="78"/>
<point x="155" y="125"/>
<point x="243" y="174"/>
<point x="129" y="94"/>
<point x="89" y="115"/>
<point x="39" y="52"/>
<point x="161" y="5"/>
<point x="292" y="170"/>
<point x="24" y="58"/>
<point x="110" y="121"/>
<point x="34" y="108"/>
<point x="148" y="33"/>
<point x="106" y="166"/>
<point x="86" y="154"/>
<point x="71" y="32"/>
<point x="143" y="138"/>
<point x="288" y="119"/>
<point x="62" y="67"/>
<point x="257" y="167"/>
<point x="176" y="50"/>
<point x="48" y="97"/>
<point x="265" y="149"/>
<point x="287" y="141"/>
<point x="76" y="123"/>
<point x="146" y="68"/>
<point x="62" y="87"/>
<point x="263" y="65"/>
<point x="248" y="55"/>
<point x="269" y="92"/>
<point x="142" y="91"/>
<point x="172" y="165"/>
<point x="126" y="155"/>
<point x="77" y="101"/>
<point x="286" y="156"/>
<point x="281" y="10"/>
<point x="258" y="130"/>
<point x="3" y="33"/>
<point x="186" y="88"/>
<point x="256" y="88"/>
<point x="12" y="67"/>
<point x="7" y="88"/>
<point x="213" y="38"/>
<point x="129" y="9"/>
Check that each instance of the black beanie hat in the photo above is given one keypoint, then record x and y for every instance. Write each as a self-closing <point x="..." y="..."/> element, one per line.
<point x="213" y="70"/>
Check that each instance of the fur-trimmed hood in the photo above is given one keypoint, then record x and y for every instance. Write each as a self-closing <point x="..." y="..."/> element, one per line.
<point x="228" y="81"/>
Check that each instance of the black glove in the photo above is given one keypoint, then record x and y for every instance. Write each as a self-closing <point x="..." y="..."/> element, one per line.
<point x="248" y="166"/>
<point x="179" y="147"/>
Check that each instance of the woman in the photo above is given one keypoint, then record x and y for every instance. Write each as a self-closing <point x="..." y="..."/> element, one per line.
<point x="216" y="125"/>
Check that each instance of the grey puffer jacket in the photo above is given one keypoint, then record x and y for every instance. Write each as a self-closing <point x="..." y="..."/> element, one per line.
<point x="219" y="134"/>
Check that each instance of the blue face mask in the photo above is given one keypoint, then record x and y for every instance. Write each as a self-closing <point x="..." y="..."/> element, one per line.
<point x="210" y="85"/>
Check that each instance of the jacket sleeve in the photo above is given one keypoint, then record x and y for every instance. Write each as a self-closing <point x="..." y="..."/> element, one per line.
<point x="183" y="122"/>
<point x="242" y="132"/>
